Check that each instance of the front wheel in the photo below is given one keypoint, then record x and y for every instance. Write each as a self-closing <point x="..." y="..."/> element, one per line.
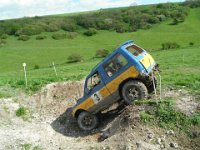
<point x="87" y="121"/>
<point x="134" y="90"/>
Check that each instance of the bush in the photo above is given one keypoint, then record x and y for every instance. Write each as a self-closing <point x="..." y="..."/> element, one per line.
<point x="170" y="45"/>
<point x="40" y="37"/>
<point x="23" y="37"/>
<point x="153" y="20"/>
<point x="4" y="36"/>
<point x="74" y="58"/>
<point x="101" y="53"/>
<point x="21" y="112"/>
<point x="36" y="67"/>
<point x="2" y="42"/>
<point x="191" y="43"/>
<point x="69" y="26"/>
<point x="58" y="36"/>
<point x="72" y="35"/>
<point x="30" y="30"/>
<point x="52" y="27"/>
<point x="90" y="32"/>
<point x="175" y="21"/>
<point x="120" y="27"/>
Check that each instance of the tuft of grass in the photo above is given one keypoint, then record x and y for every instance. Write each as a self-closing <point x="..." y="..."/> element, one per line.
<point x="24" y="113"/>
<point x="145" y="117"/>
<point x="28" y="146"/>
<point x="21" y="112"/>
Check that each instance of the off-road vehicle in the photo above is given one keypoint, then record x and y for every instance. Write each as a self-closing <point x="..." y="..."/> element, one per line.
<point x="124" y="75"/>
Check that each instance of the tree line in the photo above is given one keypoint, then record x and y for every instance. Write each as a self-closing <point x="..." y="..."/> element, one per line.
<point x="121" y="20"/>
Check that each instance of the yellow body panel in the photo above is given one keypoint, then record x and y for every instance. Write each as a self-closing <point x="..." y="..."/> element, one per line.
<point x="114" y="85"/>
<point x="147" y="61"/>
<point x="85" y="105"/>
<point x="109" y="88"/>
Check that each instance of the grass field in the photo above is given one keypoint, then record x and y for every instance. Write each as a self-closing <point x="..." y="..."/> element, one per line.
<point x="43" y="52"/>
<point x="180" y="67"/>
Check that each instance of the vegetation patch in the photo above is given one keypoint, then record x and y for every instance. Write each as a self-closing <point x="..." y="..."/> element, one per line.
<point x="100" y="53"/>
<point x="30" y="30"/>
<point x="74" y="58"/>
<point x="40" y="37"/>
<point x="170" y="45"/>
<point x="2" y="42"/>
<point x="166" y="116"/>
<point x="4" y="36"/>
<point x="28" y="146"/>
<point x="59" y="36"/>
<point x="20" y="112"/>
<point x="23" y="37"/>
<point x="24" y="113"/>
<point x="72" y="35"/>
<point x="90" y="32"/>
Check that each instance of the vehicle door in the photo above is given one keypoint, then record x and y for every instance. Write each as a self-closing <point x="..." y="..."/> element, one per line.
<point x="96" y="89"/>
<point x="116" y="70"/>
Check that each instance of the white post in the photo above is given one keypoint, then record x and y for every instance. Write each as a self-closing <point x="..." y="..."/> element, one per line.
<point x="160" y="84"/>
<point x="24" y="65"/>
<point x="154" y="86"/>
<point x="54" y="68"/>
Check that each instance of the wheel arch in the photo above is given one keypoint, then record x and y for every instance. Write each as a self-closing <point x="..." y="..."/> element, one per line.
<point x="76" y="114"/>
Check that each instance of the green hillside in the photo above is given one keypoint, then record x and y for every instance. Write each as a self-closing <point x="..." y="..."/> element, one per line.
<point x="43" y="52"/>
<point x="174" y="63"/>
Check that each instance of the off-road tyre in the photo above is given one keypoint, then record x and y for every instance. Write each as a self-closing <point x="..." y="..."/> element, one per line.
<point x="87" y="121"/>
<point x="134" y="90"/>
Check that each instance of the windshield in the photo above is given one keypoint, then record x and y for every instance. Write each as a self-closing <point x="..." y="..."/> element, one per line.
<point x="93" y="81"/>
<point x="135" y="50"/>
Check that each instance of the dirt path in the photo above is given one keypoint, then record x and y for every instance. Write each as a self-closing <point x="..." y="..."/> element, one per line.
<point x="50" y="126"/>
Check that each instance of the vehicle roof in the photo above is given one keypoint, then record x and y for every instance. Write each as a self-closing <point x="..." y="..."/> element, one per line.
<point x="125" y="44"/>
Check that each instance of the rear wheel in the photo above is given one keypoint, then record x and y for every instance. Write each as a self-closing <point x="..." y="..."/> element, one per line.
<point x="134" y="90"/>
<point x="87" y="121"/>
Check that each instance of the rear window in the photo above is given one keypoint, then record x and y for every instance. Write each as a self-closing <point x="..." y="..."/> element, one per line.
<point x="135" y="50"/>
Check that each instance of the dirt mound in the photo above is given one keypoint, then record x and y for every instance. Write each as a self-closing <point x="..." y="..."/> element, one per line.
<point x="56" y="98"/>
<point x="51" y="125"/>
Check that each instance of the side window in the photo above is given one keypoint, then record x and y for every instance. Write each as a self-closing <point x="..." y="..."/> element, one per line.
<point x="93" y="81"/>
<point x="115" y="64"/>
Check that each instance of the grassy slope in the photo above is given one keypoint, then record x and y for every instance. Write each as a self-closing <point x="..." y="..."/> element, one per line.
<point x="42" y="53"/>
<point x="179" y="67"/>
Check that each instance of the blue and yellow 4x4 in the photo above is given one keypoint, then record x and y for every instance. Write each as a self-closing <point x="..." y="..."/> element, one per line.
<point x="126" y="74"/>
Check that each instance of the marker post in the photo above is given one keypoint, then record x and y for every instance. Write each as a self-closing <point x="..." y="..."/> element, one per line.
<point x="54" y="69"/>
<point x="24" y="65"/>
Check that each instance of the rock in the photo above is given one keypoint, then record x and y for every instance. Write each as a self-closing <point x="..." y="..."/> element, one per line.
<point x="163" y="138"/>
<point x="158" y="141"/>
<point x="138" y="144"/>
<point x="173" y="145"/>
<point x="162" y="146"/>
<point x="150" y="136"/>
<point x="170" y="132"/>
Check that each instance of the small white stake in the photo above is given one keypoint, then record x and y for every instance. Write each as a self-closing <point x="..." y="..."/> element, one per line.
<point x="24" y="65"/>
<point x="160" y="84"/>
<point x="54" y="68"/>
